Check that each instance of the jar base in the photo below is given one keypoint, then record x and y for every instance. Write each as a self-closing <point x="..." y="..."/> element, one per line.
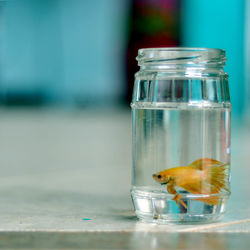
<point x="158" y="207"/>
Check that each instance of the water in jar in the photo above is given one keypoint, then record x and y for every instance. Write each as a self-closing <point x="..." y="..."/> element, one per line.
<point x="167" y="136"/>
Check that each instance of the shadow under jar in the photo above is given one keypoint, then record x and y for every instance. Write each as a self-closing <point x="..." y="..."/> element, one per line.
<point x="181" y="135"/>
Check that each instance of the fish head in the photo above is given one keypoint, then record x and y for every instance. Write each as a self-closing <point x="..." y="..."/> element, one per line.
<point x="161" y="177"/>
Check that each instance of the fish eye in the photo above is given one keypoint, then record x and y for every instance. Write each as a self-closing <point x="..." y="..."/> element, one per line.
<point x="159" y="176"/>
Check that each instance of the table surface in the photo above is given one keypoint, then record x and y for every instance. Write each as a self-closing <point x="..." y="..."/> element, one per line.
<point x="65" y="180"/>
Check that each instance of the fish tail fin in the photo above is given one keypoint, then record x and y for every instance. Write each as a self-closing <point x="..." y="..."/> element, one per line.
<point x="215" y="173"/>
<point x="216" y="176"/>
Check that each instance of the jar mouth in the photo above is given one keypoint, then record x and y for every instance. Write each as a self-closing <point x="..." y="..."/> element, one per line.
<point x="181" y="55"/>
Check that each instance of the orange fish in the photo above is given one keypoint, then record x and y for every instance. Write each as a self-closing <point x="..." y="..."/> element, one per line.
<point x="204" y="176"/>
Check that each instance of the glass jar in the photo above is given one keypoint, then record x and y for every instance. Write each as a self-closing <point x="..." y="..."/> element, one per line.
<point x="181" y="135"/>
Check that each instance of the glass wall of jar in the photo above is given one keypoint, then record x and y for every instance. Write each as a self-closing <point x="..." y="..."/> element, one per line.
<point x="181" y="135"/>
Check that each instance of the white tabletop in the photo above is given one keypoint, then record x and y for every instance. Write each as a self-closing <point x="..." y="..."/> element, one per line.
<point x="70" y="171"/>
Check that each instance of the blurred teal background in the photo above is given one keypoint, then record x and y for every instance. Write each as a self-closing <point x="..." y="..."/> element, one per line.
<point x="64" y="52"/>
<point x="220" y="24"/>
<point x="75" y="53"/>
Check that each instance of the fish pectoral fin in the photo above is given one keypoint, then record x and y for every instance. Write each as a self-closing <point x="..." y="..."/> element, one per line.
<point x="177" y="198"/>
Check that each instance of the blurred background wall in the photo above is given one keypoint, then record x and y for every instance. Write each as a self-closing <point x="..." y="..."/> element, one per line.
<point x="81" y="53"/>
<point x="64" y="52"/>
<point x="220" y="24"/>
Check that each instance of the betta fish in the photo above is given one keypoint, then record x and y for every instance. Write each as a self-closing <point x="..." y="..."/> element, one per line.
<point x="204" y="176"/>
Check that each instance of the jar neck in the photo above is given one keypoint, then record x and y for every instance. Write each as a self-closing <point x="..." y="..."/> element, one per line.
<point x="181" y="59"/>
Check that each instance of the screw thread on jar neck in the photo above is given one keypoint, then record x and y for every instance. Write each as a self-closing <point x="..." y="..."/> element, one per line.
<point x="181" y="58"/>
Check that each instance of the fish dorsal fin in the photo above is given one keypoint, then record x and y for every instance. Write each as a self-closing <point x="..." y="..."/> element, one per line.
<point x="204" y="163"/>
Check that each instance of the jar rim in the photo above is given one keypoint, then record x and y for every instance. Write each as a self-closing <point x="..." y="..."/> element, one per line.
<point x="181" y="55"/>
